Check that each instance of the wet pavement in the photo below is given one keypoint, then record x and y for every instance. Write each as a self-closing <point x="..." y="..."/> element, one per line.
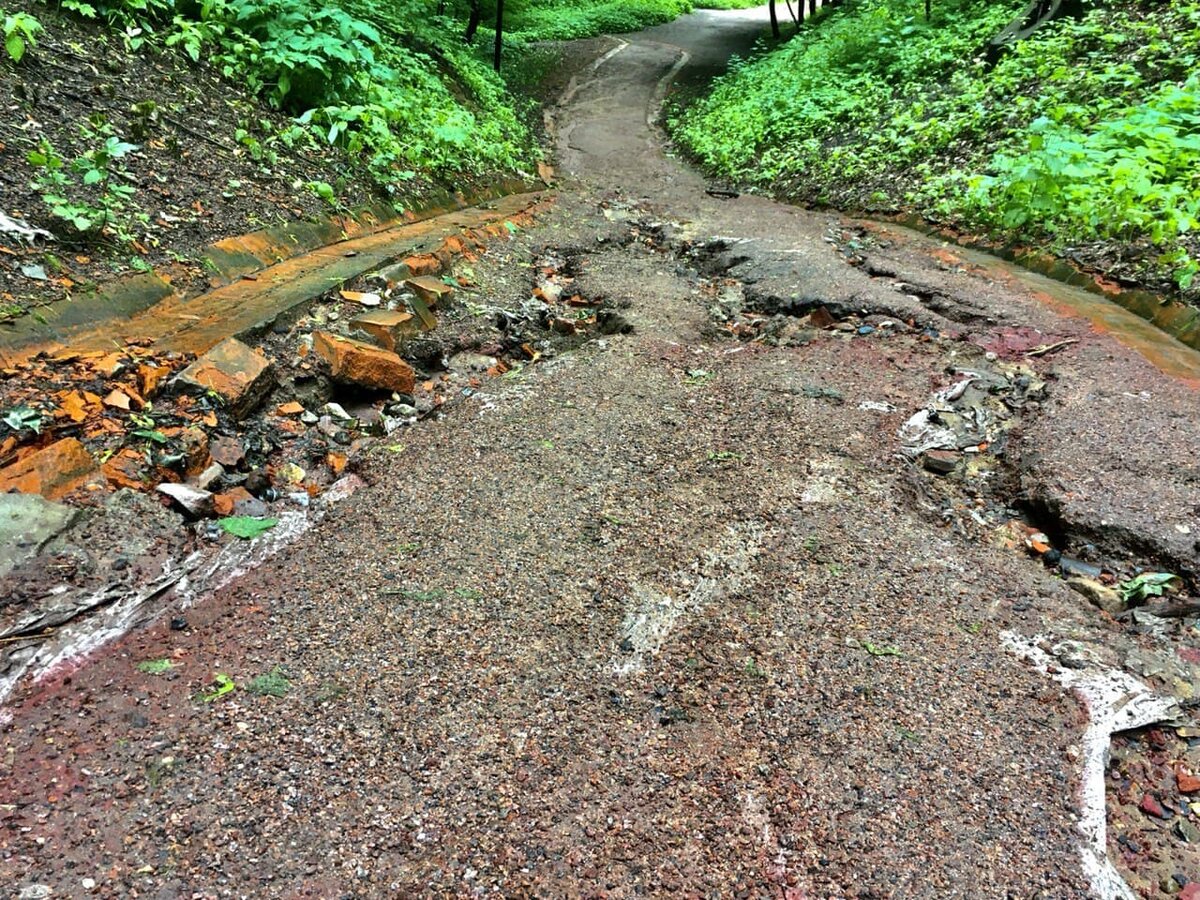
<point x="754" y="588"/>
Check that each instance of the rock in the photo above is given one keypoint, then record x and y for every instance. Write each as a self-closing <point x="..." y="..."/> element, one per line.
<point x="204" y="480"/>
<point x="1187" y="831"/>
<point x="1188" y="783"/>
<point x="1099" y="595"/>
<point x="240" y="375"/>
<point x="195" y="450"/>
<point x="252" y="507"/>
<point x="227" y="451"/>
<point x="258" y="481"/>
<point x="562" y="326"/>
<point x="940" y="462"/>
<point x="1152" y="807"/>
<point x="610" y="321"/>
<point x="53" y="471"/>
<point x="388" y="327"/>
<point x="27" y="523"/>
<point x="820" y="318"/>
<point x="337" y="411"/>
<point x="224" y="504"/>
<point x="192" y="500"/>
<point x="364" y="364"/>
<point x="431" y="290"/>
<point x="467" y="361"/>
<point x="1078" y="568"/>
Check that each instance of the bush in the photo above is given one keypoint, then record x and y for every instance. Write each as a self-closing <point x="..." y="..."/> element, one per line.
<point x="1086" y="130"/>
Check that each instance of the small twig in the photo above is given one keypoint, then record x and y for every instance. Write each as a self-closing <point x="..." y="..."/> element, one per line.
<point x="48" y="632"/>
<point x="200" y="136"/>
<point x="1051" y="348"/>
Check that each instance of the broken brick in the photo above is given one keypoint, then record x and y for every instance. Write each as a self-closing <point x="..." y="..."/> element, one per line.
<point x="126" y="470"/>
<point x="820" y="318"/>
<point x="240" y="375"/>
<point x="423" y="264"/>
<point x="195" y="449"/>
<point x="364" y="364"/>
<point x="940" y="462"/>
<point x="53" y="471"/>
<point x="1188" y="783"/>
<point x="225" y="504"/>
<point x="149" y="377"/>
<point x="1151" y="806"/>
<point x="431" y="290"/>
<point x="387" y="327"/>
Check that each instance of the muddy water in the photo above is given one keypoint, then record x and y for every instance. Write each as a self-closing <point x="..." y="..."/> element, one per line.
<point x="1170" y="355"/>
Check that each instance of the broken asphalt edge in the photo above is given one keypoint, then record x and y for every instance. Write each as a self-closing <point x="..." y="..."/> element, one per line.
<point x="1164" y="311"/>
<point x="231" y="259"/>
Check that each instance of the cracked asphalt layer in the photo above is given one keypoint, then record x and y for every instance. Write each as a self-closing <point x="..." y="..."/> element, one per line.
<point x="663" y="615"/>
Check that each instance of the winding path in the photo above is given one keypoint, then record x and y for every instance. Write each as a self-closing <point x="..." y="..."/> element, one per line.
<point x="665" y="615"/>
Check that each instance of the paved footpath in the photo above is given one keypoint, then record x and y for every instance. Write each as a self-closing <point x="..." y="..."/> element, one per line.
<point x="672" y="613"/>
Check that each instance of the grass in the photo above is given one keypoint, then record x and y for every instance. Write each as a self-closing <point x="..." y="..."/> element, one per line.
<point x="1087" y="133"/>
<point x="545" y="20"/>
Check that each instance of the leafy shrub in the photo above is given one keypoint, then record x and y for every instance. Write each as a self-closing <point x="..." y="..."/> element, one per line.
<point x="1086" y="130"/>
<point x="20" y="33"/>
<point x="87" y="193"/>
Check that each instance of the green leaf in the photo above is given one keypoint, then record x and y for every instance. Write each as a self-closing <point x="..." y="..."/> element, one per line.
<point x="224" y="685"/>
<point x="246" y="527"/>
<point x="883" y="650"/>
<point x="155" y="666"/>
<point x="15" y="45"/>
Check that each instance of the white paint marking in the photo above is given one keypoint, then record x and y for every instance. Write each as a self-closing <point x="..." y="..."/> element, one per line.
<point x="1114" y="701"/>
<point x="123" y="610"/>
<point x="651" y="615"/>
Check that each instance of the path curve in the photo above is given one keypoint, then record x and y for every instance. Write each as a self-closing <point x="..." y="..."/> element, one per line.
<point x="669" y="614"/>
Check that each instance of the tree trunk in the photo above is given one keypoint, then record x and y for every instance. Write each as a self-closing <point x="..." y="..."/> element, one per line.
<point x="774" y="20"/>
<point x="499" y="33"/>
<point x="472" y="22"/>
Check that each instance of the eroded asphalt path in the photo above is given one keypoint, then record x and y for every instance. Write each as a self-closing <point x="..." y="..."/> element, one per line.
<point x="666" y="614"/>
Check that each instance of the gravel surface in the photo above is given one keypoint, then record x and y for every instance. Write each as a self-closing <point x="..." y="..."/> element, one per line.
<point x="666" y="614"/>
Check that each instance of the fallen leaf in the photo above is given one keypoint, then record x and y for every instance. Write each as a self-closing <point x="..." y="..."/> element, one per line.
<point x="246" y="527"/>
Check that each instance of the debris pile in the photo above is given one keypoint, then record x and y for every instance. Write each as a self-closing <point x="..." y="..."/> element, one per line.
<point x="243" y="428"/>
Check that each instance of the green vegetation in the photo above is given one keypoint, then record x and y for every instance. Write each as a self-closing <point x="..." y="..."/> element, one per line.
<point x="405" y="88"/>
<point x="270" y="684"/>
<point x="155" y="666"/>
<point x="222" y="685"/>
<point x="555" y="20"/>
<point x="1088" y="132"/>
<point x="246" y="527"/>
<point x="1141" y="588"/>
<point x="100" y="168"/>
<point x="20" y="33"/>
